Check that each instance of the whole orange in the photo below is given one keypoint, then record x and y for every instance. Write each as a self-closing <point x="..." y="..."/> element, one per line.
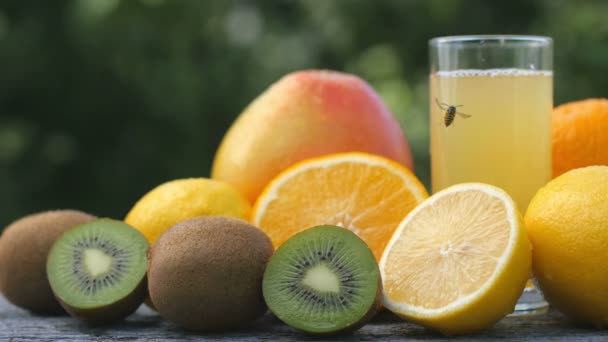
<point x="580" y="135"/>
<point x="306" y="114"/>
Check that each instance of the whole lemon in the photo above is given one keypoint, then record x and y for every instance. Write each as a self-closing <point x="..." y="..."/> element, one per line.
<point x="182" y="199"/>
<point x="567" y="223"/>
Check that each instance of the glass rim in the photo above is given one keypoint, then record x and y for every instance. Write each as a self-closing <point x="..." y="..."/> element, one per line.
<point x="541" y="40"/>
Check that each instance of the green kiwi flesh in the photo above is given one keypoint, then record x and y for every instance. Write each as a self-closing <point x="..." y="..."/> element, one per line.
<point x="97" y="270"/>
<point x="24" y="246"/>
<point x="205" y="273"/>
<point x="324" y="280"/>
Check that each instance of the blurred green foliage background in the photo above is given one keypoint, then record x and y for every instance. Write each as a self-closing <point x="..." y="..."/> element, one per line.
<point x="101" y="100"/>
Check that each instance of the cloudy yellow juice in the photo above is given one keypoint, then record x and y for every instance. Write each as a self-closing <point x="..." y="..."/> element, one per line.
<point x="505" y="138"/>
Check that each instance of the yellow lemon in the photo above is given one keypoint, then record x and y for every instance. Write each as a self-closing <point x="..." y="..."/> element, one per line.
<point x="459" y="261"/>
<point x="567" y="222"/>
<point x="182" y="199"/>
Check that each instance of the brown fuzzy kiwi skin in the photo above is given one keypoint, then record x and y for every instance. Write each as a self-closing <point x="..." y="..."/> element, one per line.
<point x="24" y="246"/>
<point x="110" y="313"/>
<point x="205" y="274"/>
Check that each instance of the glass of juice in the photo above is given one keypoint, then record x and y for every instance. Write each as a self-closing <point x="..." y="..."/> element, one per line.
<point x="491" y="98"/>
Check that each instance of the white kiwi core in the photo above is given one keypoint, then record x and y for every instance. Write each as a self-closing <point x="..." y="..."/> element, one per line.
<point x="322" y="279"/>
<point x="97" y="262"/>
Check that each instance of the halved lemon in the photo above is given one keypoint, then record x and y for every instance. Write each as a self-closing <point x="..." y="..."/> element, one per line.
<point x="365" y="193"/>
<point x="459" y="261"/>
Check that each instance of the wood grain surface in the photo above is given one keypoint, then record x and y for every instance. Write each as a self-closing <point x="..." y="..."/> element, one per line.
<point x="145" y="325"/>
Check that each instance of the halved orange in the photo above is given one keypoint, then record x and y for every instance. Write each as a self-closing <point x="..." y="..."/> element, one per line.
<point x="365" y="193"/>
<point x="459" y="261"/>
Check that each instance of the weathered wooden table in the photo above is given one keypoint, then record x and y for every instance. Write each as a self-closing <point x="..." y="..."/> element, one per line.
<point x="145" y="325"/>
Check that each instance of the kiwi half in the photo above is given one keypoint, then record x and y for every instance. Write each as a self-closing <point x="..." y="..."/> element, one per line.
<point x="97" y="270"/>
<point x="324" y="280"/>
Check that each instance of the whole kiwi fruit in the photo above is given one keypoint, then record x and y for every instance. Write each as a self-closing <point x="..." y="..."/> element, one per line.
<point x="24" y="246"/>
<point x="205" y="274"/>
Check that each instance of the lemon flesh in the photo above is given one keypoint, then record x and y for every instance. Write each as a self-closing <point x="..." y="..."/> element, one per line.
<point x="459" y="261"/>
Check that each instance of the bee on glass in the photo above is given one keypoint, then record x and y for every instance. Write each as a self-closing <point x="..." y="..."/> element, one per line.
<point x="450" y="112"/>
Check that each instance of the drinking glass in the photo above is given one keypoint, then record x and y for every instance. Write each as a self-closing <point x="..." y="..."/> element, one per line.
<point x="491" y="98"/>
